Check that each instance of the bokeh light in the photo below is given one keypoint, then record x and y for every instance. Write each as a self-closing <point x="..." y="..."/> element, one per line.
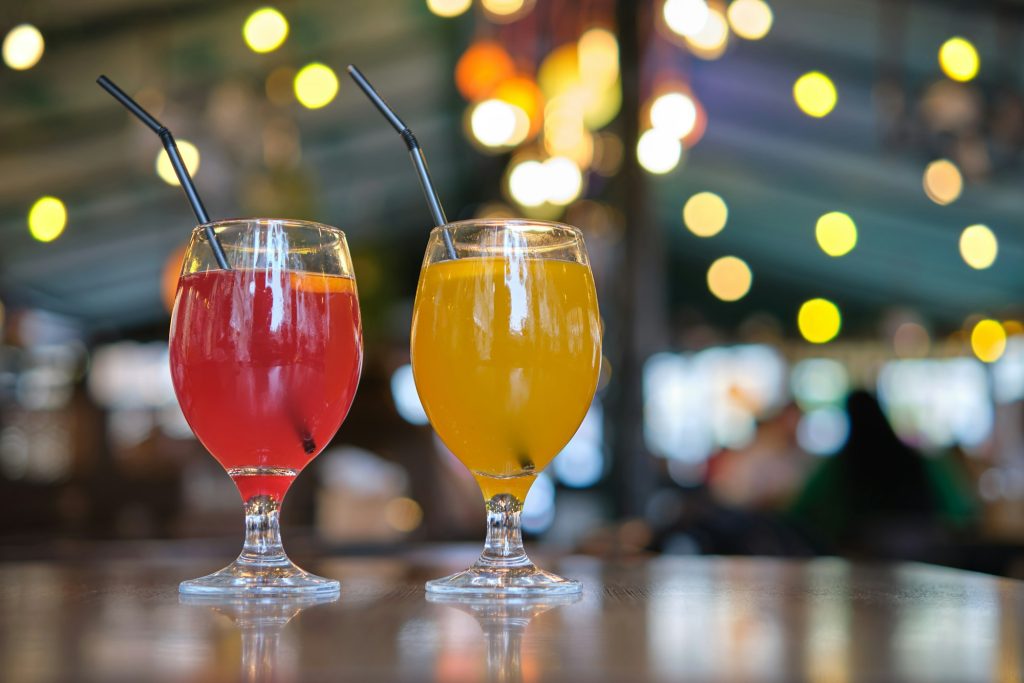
<point x="265" y="30"/>
<point x="823" y="431"/>
<point x="819" y="321"/>
<point x="959" y="59"/>
<point x="316" y="85"/>
<point x="685" y="17"/>
<point x="675" y="113"/>
<point x="729" y="278"/>
<point x="448" y="8"/>
<point x="978" y="246"/>
<point x="712" y="38"/>
<point x="505" y="11"/>
<point x="189" y="155"/>
<point x="403" y="514"/>
<point x="598" y="55"/>
<point x="495" y="123"/>
<point x="750" y="19"/>
<point x="836" y="233"/>
<point x="23" y="47"/>
<point x="564" y="180"/>
<point x="527" y="183"/>
<point x="658" y="152"/>
<point x="705" y="214"/>
<point x="815" y="94"/>
<point x="47" y="218"/>
<point x="942" y="181"/>
<point x="481" y="68"/>
<point x="524" y="93"/>
<point x="988" y="340"/>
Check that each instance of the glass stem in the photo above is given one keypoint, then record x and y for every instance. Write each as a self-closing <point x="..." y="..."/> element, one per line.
<point x="262" y="533"/>
<point x="504" y="544"/>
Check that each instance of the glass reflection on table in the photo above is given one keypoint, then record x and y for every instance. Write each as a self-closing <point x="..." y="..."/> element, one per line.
<point x="503" y="622"/>
<point x="260" y="622"/>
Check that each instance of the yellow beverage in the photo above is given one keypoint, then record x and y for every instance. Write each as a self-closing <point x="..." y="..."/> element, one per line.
<point x="506" y="353"/>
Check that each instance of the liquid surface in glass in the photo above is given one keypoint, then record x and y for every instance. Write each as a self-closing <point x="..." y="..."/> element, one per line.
<point x="506" y="353"/>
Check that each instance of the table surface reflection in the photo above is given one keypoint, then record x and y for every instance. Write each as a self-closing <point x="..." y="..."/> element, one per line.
<point x="660" y="619"/>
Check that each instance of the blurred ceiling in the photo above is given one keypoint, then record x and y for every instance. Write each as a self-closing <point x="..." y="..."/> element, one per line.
<point x="777" y="169"/>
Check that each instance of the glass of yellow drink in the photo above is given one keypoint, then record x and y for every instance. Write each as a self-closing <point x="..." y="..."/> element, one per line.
<point x="506" y="350"/>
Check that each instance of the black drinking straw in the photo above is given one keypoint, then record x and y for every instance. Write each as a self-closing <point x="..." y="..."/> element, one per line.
<point x="179" y="166"/>
<point x="418" y="160"/>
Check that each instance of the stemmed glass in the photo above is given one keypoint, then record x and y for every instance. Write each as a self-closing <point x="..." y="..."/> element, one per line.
<point x="506" y="350"/>
<point x="265" y="358"/>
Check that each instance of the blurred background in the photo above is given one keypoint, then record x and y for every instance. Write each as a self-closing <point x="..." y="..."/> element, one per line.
<point x="803" y="218"/>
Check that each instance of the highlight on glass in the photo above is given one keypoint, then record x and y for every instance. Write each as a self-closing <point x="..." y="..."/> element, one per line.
<point x="506" y="350"/>
<point x="265" y="358"/>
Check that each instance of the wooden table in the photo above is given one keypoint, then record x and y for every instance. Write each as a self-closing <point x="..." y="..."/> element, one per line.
<point x="663" y="619"/>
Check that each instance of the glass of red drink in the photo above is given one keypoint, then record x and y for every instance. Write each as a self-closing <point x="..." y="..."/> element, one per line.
<point x="265" y="358"/>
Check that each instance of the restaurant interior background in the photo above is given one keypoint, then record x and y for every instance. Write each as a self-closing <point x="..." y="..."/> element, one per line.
<point x="785" y="202"/>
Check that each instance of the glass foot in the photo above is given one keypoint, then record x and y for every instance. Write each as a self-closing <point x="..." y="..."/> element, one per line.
<point x="281" y="578"/>
<point x="523" y="581"/>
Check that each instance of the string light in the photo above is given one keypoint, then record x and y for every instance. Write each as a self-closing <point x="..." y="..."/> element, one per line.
<point x="729" y="278"/>
<point x="481" y="68"/>
<point x="315" y="85"/>
<point x="815" y="94"/>
<point x="959" y="59"/>
<point x="675" y="113"/>
<point x="448" y="8"/>
<point x="23" y="47"/>
<point x="598" y="55"/>
<point x="658" y="152"/>
<point x="978" y="246"/>
<point x="505" y="11"/>
<point x="564" y="180"/>
<point x="265" y="30"/>
<point x="685" y="17"/>
<point x="819" y="321"/>
<point x="988" y="340"/>
<point x="942" y="181"/>
<point x="189" y="154"/>
<point x="495" y="123"/>
<point x="705" y="214"/>
<point x="527" y="183"/>
<point x="750" y="19"/>
<point x="47" y="218"/>
<point x="836" y="233"/>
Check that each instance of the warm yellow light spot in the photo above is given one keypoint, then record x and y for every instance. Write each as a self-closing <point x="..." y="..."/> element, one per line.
<point x="685" y="17"/>
<point x="942" y="181"/>
<point x="315" y="85"/>
<point x="750" y="19"/>
<point x="448" y="8"/>
<point x="47" y="218"/>
<point x="712" y="38"/>
<point x="836" y="233"/>
<point x="705" y="214"/>
<point x="564" y="180"/>
<point x="658" y="152"/>
<point x="495" y="123"/>
<point x="819" y="321"/>
<point x="403" y="514"/>
<point x="598" y="55"/>
<point x="729" y="278"/>
<point x="815" y="94"/>
<point x="978" y="246"/>
<point x="523" y="92"/>
<point x="503" y="10"/>
<point x="988" y="340"/>
<point x="481" y="68"/>
<point x="23" y="47"/>
<point x="189" y="155"/>
<point x="265" y="30"/>
<point x="675" y="113"/>
<point x="959" y="59"/>
<point x="527" y="183"/>
<point x="911" y="340"/>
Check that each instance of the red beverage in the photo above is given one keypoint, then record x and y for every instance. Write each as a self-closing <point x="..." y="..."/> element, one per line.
<point x="265" y="368"/>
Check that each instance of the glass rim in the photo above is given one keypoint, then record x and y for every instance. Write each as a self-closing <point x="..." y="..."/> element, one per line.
<point x="506" y="223"/>
<point x="289" y="222"/>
